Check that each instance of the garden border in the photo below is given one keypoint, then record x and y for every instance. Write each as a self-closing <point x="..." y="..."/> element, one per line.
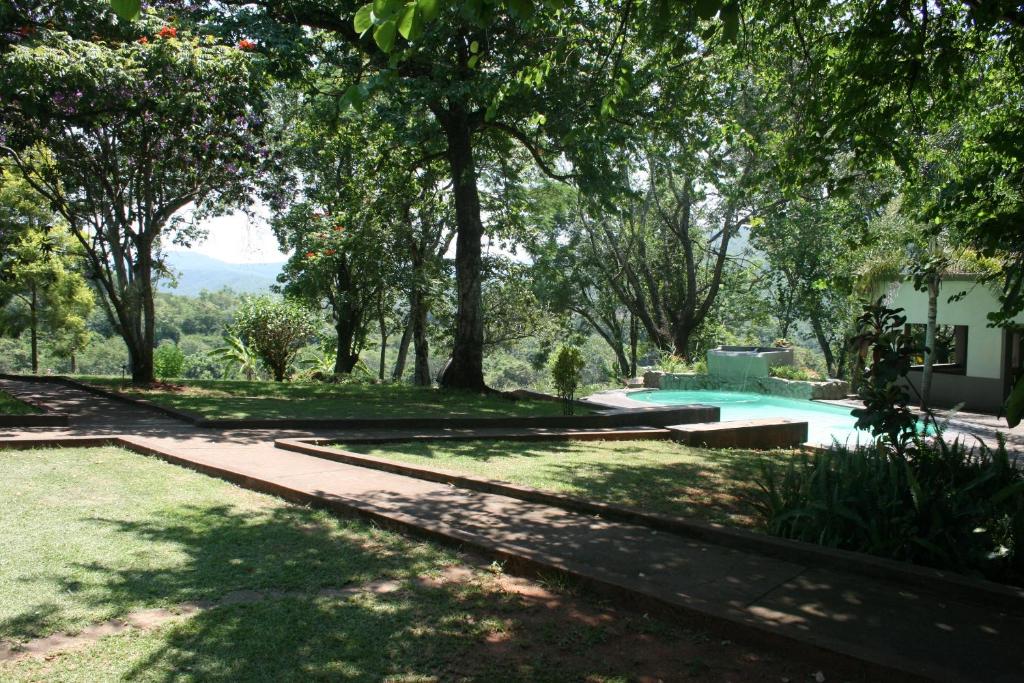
<point x="910" y="575"/>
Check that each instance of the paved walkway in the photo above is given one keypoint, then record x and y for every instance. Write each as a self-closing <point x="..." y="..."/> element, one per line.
<point x="927" y="634"/>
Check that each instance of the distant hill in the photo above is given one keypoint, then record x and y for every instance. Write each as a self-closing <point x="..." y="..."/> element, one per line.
<point x="196" y="272"/>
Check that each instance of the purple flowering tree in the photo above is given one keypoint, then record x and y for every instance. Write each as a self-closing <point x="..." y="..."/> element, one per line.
<point x="140" y="134"/>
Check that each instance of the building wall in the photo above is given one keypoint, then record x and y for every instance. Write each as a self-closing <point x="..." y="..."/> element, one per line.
<point x="984" y="343"/>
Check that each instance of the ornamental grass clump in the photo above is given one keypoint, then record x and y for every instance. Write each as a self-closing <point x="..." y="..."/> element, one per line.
<point x="908" y="494"/>
<point x="939" y="504"/>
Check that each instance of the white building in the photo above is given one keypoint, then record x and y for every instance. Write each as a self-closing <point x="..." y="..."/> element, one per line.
<point x="978" y="363"/>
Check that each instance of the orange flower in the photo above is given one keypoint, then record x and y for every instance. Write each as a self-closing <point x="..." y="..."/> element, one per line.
<point x="339" y="228"/>
<point x="246" y="44"/>
<point x="330" y="252"/>
<point x="143" y="40"/>
<point x="168" y="32"/>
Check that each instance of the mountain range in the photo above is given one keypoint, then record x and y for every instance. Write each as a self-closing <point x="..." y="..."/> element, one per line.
<point x="196" y="272"/>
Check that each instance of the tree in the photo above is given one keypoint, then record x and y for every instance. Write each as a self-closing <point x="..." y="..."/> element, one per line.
<point x="558" y="83"/>
<point x="275" y="330"/>
<point x="813" y="244"/>
<point x="566" y="372"/>
<point x="137" y="131"/>
<point x="42" y="288"/>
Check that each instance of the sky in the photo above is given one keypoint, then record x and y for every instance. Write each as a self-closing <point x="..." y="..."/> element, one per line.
<point x="237" y="238"/>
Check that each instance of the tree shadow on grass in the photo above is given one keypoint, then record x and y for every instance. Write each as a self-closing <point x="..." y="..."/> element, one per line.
<point x="714" y="485"/>
<point x="721" y="491"/>
<point x="218" y="549"/>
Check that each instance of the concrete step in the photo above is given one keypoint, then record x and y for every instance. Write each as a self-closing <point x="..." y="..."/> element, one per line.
<point x="765" y="433"/>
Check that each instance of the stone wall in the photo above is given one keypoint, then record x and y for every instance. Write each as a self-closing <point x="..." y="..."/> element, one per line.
<point x="833" y="389"/>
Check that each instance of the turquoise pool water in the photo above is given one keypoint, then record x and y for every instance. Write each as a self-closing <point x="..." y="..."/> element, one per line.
<point x="825" y="422"/>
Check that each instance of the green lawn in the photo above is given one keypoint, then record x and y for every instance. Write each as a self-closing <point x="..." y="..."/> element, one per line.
<point x="660" y="476"/>
<point x="229" y="399"/>
<point x="12" y="406"/>
<point x="92" y="534"/>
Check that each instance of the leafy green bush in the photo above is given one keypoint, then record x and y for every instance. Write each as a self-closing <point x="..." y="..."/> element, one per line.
<point x="275" y="329"/>
<point x="936" y="504"/>
<point x="794" y="373"/>
<point x="168" y="361"/>
<point x="566" y="372"/>
<point x="678" y="365"/>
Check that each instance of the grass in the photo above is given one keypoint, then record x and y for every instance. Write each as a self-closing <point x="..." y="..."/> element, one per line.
<point x="658" y="476"/>
<point x="12" y="406"/>
<point x="90" y="534"/>
<point x="231" y="399"/>
<point x="94" y="534"/>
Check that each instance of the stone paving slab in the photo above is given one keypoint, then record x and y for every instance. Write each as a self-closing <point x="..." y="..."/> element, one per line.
<point x="916" y="632"/>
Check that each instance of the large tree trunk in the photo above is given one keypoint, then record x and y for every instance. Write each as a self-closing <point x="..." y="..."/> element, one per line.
<point x="382" y="323"/>
<point x="346" y="328"/>
<point x="466" y="370"/>
<point x="634" y="334"/>
<point x="33" y="321"/>
<point x="140" y="348"/>
<point x="825" y="345"/>
<point x="929" y="340"/>
<point x="418" y="320"/>
<point x="140" y="357"/>
<point x="403" y="352"/>
<point x="681" y="341"/>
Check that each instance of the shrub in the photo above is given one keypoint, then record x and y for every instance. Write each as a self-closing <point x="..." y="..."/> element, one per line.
<point x="794" y="373"/>
<point x="677" y="364"/>
<point x="275" y="330"/>
<point x="168" y="361"/>
<point x="936" y="504"/>
<point x="566" y="373"/>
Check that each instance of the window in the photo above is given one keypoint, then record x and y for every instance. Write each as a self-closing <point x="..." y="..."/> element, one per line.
<point x="950" y="347"/>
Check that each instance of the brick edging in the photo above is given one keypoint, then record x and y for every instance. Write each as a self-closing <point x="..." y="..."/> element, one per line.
<point x="916" y="576"/>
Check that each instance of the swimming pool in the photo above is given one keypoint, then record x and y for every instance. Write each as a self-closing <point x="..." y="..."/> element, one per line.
<point x="824" y="422"/>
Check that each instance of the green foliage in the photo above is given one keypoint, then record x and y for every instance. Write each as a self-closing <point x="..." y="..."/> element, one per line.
<point x="237" y="356"/>
<point x="794" y="373"/>
<point x="882" y="334"/>
<point x="937" y="504"/>
<point x="275" y="329"/>
<point x="42" y="288"/>
<point x="135" y="130"/>
<point x="168" y="361"/>
<point x="1015" y="404"/>
<point x="672" y="363"/>
<point x="566" y="372"/>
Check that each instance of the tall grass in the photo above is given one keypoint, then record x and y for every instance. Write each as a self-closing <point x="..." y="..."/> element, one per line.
<point x="939" y="504"/>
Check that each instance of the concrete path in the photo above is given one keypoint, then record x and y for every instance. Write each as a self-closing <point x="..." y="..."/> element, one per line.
<point x="917" y="632"/>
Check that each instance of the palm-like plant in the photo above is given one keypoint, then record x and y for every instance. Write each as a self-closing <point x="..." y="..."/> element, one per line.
<point x="237" y="356"/>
